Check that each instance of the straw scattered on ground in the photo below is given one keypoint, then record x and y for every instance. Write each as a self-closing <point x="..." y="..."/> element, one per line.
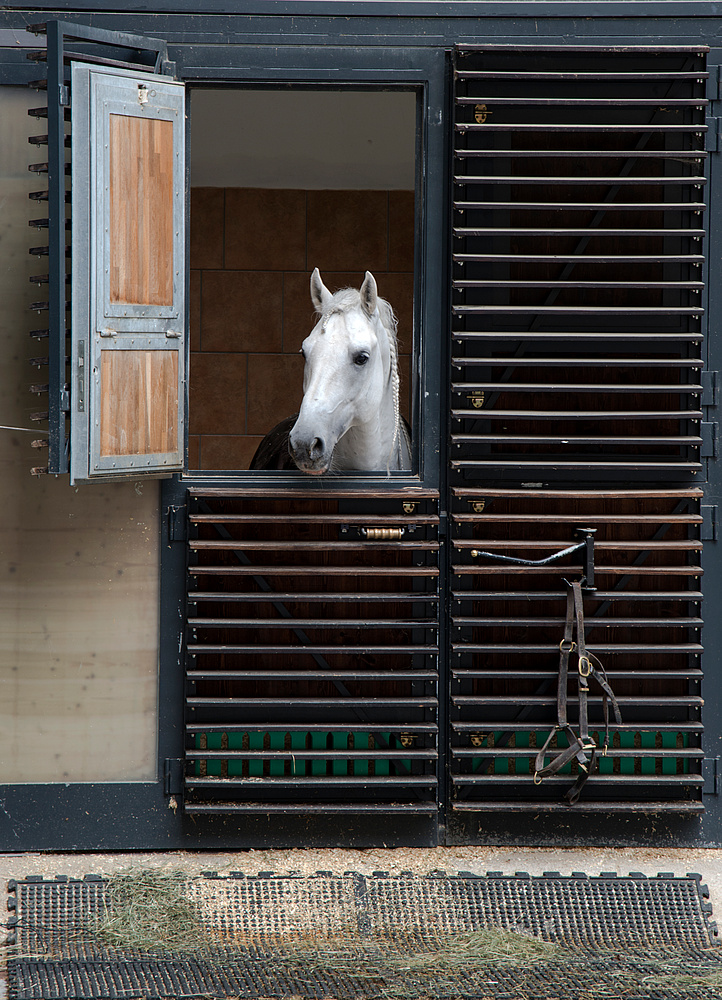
<point x="402" y="971"/>
<point x="150" y="911"/>
<point x="490" y="946"/>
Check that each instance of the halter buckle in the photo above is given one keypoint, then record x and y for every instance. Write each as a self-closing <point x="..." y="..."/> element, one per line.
<point x="585" y="666"/>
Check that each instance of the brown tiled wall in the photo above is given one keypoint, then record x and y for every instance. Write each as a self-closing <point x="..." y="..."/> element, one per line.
<point x="252" y="253"/>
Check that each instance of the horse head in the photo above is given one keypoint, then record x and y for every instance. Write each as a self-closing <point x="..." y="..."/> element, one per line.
<point x="349" y="415"/>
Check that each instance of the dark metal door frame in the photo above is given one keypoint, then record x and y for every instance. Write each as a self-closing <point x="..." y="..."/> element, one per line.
<point x="425" y="72"/>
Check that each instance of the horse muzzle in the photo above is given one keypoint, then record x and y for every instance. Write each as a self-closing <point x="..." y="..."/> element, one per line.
<point x="311" y="456"/>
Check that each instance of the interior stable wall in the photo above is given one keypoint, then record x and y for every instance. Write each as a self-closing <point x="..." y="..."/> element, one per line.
<point x="322" y="140"/>
<point x="78" y="566"/>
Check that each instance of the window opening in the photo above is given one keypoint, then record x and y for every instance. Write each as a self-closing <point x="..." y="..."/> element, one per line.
<point x="305" y="179"/>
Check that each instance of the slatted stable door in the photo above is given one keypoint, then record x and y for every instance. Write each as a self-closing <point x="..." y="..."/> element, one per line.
<point x="312" y="652"/>
<point x="578" y="279"/>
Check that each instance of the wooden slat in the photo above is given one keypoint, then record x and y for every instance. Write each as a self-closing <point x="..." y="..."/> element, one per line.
<point x="501" y="568"/>
<point x="387" y="571"/>
<point x="318" y="493"/>
<point x="576" y="519"/>
<point x="321" y="545"/>
<point x="364" y="520"/>
<point x="565" y="494"/>
<point x="556" y="545"/>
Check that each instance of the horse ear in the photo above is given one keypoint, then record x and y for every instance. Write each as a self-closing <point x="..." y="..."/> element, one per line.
<point x="369" y="294"/>
<point x="320" y="295"/>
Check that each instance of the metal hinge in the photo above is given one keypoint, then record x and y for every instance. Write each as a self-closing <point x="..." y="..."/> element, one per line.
<point x="712" y="89"/>
<point x="64" y="400"/>
<point x="710" y="438"/>
<point x="173" y="776"/>
<point x="177" y="524"/>
<point x="711" y="142"/>
<point x="708" y="528"/>
<point x="709" y="388"/>
<point x="64" y="96"/>
<point x="710" y="773"/>
<point x="80" y="383"/>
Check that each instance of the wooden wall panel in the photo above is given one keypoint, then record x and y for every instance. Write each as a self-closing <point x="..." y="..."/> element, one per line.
<point x="139" y="402"/>
<point x="141" y="211"/>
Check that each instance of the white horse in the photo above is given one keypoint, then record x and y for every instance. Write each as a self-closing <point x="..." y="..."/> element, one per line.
<point x="349" y="417"/>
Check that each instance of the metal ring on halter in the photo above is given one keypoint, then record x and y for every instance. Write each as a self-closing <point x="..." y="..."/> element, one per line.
<point x="567" y="646"/>
<point x="585" y="671"/>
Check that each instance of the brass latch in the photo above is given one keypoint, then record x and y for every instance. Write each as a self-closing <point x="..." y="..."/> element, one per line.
<point x="383" y="534"/>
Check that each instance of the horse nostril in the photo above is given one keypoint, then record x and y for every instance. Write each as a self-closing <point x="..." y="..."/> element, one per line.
<point x="316" y="449"/>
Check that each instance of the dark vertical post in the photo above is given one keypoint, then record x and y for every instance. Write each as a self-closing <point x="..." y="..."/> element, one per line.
<point x="58" y="99"/>
<point x="587" y="536"/>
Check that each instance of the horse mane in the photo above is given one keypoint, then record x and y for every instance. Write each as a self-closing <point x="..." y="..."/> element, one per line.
<point x="350" y="298"/>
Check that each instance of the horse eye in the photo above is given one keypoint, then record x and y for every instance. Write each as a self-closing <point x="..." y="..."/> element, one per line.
<point x="360" y="359"/>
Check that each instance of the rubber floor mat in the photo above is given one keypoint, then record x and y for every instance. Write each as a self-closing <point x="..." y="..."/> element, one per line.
<point x="405" y="937"/>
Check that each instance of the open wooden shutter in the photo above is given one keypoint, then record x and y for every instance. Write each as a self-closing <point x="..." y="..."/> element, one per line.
<point x="115" y="285"/>
<point x="128" y="292"/>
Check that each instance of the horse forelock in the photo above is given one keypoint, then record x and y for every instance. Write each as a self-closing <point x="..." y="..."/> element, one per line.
<point x="347" y="299"/>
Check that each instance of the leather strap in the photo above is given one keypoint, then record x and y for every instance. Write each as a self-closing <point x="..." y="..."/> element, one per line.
<point x="581" y="746"/>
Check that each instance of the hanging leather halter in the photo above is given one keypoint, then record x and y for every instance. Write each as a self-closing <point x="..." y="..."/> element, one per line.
<point x="581" y="746"/>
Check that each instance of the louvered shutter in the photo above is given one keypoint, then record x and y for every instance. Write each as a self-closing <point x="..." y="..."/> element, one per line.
<point x="577" y="322"/>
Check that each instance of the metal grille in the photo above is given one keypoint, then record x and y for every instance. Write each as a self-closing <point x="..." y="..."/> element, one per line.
<point x="578" y="262"/>
<point x="312" y="651"/>
<point x="643" y="622"/>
